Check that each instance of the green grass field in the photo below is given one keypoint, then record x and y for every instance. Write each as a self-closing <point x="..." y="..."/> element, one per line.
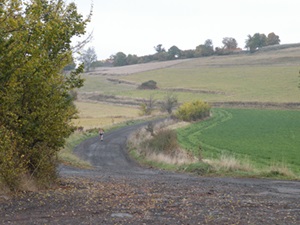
<point x="101" y="84"/>
<point x="265" y="137"/>
<point x="233" y="83"/>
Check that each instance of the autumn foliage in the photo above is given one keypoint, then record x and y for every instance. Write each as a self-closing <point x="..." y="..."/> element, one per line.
<point x="193" y="111"/>
<point x="36" y="106"/>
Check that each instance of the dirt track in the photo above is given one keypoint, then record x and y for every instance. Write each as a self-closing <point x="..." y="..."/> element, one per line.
<point x="119" y="191"/>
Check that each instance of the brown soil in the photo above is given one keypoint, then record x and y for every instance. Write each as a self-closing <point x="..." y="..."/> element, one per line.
<point x="119" y="191"/>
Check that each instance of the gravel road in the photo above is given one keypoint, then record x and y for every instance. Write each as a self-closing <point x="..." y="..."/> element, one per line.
<point x="119" y="191"/>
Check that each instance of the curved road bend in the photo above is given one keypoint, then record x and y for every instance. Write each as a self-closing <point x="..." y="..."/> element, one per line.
<point x="110" y="159"/>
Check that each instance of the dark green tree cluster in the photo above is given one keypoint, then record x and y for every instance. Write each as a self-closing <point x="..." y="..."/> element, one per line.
<point x="121" y="59"/>
<point x="260" y="40"/>
<point x="36" y="106"/>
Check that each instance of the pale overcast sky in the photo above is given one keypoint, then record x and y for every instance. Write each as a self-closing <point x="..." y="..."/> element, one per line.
<point x="136" y="26"/>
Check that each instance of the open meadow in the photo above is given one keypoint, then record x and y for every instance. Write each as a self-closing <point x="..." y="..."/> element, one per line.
<point x="96" y="115"/>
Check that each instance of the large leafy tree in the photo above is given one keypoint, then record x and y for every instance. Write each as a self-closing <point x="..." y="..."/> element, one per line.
<point x="174" y="52"/>
<point x="273" y="39"/>
<point x="36" y="107"/>
<point x="256" y="41"/>
<point x="119" y="59"/>
<point x="229" y="43"/>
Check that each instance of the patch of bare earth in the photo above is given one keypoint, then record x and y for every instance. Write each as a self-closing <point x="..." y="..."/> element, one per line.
<point x="161" y="200"/>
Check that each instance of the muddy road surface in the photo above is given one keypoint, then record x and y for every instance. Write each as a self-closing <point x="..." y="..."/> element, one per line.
<point x="119" y="191"/>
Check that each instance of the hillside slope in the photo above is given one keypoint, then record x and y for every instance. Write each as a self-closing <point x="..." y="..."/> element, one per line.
<point x="265" y="56"/>
<point x="267" y="76"/>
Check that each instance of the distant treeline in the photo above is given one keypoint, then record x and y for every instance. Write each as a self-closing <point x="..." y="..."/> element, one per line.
<point x="230" y="46"/>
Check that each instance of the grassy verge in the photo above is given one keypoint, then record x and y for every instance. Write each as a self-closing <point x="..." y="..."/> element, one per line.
<point x="66" y="155"/>
<point x="226" y="166"/>
<point x="145" y="161"/>
<point x="229" y="166"/>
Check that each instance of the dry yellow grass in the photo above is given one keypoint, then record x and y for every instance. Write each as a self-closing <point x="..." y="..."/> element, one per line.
<point x="282" y="169"/>
<point x="181" y="158"/>
<point x="230" y="163"/>
<point x="92" y="115"/>
<point x="178" y="156"/>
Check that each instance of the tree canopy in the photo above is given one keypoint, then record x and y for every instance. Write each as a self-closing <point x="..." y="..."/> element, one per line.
<point x="36" y="106"/>
<point x="206" y="49"/>
<point x="159" y="48"/>
<point x="120" y="59"/>
<point x="174" y="52"/>
<point x="229" y="43"/>
<point x="273" y="39"/>
<point x="260" y="40"/>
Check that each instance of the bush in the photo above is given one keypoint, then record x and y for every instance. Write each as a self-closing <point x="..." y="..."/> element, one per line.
<point x="164" y="141"/>
<point x="193" y="111"/>
<point x="148" y="106"/>
<point x="151" y="84"/>
<point x="169" y="103"/>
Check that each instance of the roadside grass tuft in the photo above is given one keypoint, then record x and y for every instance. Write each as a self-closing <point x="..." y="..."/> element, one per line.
<point x="66" y="155"/>
<point x="199" y="168"/>
<point x="229" y="163"/>
<point x="280" y="170"/>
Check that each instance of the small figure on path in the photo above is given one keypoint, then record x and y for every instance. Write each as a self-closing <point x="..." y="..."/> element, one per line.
<point x="101" y="133"/>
